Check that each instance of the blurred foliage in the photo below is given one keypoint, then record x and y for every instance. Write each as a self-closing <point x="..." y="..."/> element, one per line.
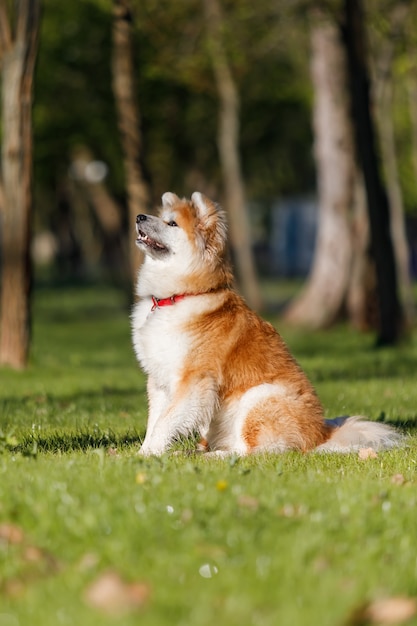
<point x="177" y="96"/>
<point x="403" y="74"/>
<point x="73" y="96"/>
<point x="268" y="46"/>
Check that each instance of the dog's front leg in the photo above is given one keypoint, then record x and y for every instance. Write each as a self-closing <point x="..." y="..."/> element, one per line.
<point x="158" y="400"/>
<point x="191" y="409"/>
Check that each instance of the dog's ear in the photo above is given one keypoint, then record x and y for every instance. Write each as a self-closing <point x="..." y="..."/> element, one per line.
<point x="208" y="211"/>
<point x="169" y="199"/>
<point x="203" y="205"/>
<point x="212" y="221"/>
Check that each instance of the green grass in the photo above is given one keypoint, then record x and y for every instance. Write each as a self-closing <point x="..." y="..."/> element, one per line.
<point x="285" y="540"/>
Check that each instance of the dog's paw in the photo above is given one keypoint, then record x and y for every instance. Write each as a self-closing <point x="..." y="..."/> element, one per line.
<point x="218" y="454"/>
<point x="195" y="452"/>
<point x="146" y="451"/>
<point x="202" y="445"/>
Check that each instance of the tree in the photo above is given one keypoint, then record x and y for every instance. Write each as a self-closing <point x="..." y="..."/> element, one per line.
<point x="228" y="145"/>
<point x="391" y="319"/>
<point x="178" y="100"/>
<point x="129" y="123"/>
<point x="93" y="203"/>
<point x="323" y="299"/>
<point x="354" y="269"/>
<point x="384" y="98"/>
<point x="18" y="47"/>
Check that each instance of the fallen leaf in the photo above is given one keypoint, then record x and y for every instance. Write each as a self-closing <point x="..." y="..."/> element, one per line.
<point x="31" y="563"/>
<point x="110" y="594"/>
<point x="33" y="554"/>
<point x="367" y="453"/>
<point x="9" y="533"/>
<point x="395" y="610"/>
<point x="248" y="502"/>
<point x="398" y="479"/>
<point x="291" y="510"/>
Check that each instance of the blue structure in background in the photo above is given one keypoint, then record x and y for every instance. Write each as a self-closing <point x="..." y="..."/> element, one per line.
<point x="293" y="235"/>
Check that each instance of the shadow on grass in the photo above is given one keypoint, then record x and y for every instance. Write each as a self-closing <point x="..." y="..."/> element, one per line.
<point x="61" y="443"/>
<point x="405" y="426"/>
<point x="135" y="395"/>
<point x="84" y="440"/>
<point x="364" y="373"/>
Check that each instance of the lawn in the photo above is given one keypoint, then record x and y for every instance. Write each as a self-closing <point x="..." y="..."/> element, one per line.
<point x="91" y="534"/>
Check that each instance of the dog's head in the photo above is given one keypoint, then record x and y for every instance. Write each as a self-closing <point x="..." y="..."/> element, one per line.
<point x="186" y="245"/>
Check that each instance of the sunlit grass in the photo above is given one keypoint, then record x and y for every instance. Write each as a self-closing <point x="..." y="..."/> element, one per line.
<point x="289" y="540"/>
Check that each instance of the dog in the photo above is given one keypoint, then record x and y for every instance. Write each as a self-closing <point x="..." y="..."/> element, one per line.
<point x="214" y="366"/>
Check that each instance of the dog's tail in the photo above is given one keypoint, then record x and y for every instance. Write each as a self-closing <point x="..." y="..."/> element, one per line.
<point x="353" y="433"/>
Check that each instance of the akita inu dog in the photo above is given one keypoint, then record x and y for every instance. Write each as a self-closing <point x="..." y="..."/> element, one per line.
<point x="213" y="365"/>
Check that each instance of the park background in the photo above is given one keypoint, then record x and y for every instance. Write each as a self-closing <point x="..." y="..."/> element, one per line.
<point x="300" y="119"/>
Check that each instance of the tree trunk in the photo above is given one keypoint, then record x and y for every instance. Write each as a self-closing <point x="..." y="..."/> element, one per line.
<point x="412" y="103"/>
<point x="107" y="212"/>
<point x="228" y="144"/>
<point x="390" y="313"/>
<point x="398" y="232"/>
<point x="124" y="90"/>
<point x="323" y="298"/>
<point x="384" y="108"/>
<point x="361" y="301"/>
<point x="18" y="54"/>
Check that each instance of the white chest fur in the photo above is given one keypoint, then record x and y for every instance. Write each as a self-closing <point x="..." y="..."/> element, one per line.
<point x="160" y="339"/>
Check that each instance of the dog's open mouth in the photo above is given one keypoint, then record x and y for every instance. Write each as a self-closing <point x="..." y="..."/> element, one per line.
<point x="148" y="241"/>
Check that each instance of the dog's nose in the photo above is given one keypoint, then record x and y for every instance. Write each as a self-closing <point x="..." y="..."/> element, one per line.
<point x="141" y="218"/>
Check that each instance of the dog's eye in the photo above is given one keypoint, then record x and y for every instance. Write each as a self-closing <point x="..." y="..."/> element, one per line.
<point x="172" y="223"/>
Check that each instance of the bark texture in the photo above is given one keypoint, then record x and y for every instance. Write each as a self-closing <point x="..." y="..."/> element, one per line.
<point x="384" y="107"/>
<point x="323" y="298"/>
<point x="87" y="193"/>
<point x="361" y="300"/>
<point x="18" y="48"/>
<point x="391" y="318"/>
<point x="124" y="89"/>
<point x="228" y="145"/>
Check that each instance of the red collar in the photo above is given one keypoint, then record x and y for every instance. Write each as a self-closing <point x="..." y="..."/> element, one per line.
<point x="158" y="302"/>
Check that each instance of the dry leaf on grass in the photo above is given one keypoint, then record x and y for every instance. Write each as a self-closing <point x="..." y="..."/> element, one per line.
<point x="292" y="510"/>
<point x="248" y="502"/>
<point x="10" y="533"/>
<point x="31" y="562"/>
<point x="398" y="479"/>
<point x="14" y="535"/>
<point x="41" y="557"/>
<point x="395" y="610"/>
<point x="367" y="453"/>
<point x="111" y="594"/>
